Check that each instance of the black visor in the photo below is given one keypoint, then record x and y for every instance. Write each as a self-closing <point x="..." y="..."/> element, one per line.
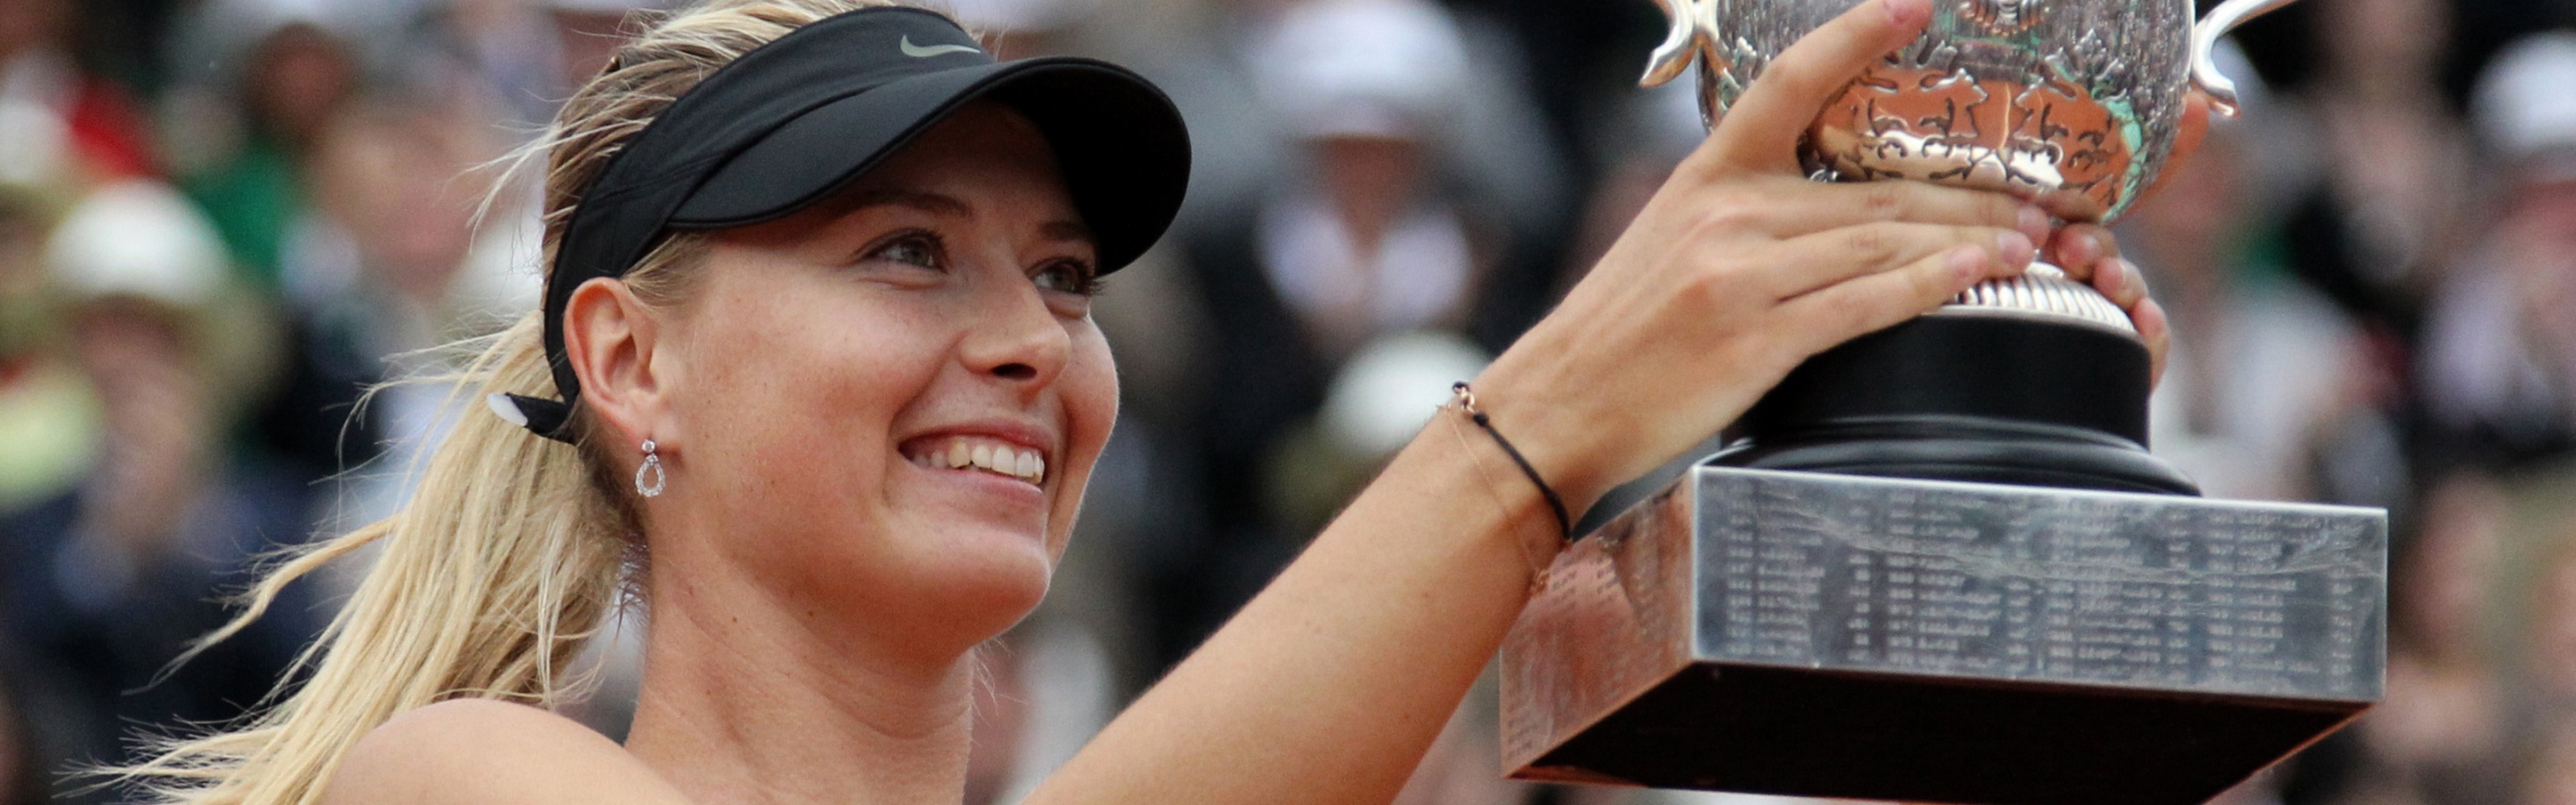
<point x="790" y="122"/>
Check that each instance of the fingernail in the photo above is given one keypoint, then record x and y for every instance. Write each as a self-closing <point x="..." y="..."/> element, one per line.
<point x="2034" y="223"/>
<point x="2015" y="249"/>
<point x="2136" y="277"/>
<point x="1968" y="264"/>
<point x="2110" y="277"/>
<point x="1908" y="13"/>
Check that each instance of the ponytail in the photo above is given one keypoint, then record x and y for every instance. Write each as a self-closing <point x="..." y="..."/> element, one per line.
<point x="505" y="561"/>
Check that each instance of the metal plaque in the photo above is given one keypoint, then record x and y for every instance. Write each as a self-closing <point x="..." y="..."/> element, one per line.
<point x="1821" y="635"/>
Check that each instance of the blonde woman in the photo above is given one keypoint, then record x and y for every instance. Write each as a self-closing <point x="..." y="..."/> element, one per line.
<point x="815" y="376"/>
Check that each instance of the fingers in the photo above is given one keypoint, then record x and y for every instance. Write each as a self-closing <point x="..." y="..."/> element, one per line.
<point x="1841" y="312"/>
<point x="1819" y="207"/>
<point x="2079" y="247"/>
<point x="1813" y="262"/>
<point x="1761" y="130"/>
<point x="2157" y="331"/>
<point x="2089" y="253"/>
<point x="2119" y="279"/>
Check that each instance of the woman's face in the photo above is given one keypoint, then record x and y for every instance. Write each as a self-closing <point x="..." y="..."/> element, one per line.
<point x="893" y="399"/>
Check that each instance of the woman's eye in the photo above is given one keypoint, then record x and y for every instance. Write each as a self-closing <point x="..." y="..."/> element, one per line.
<point x="916" y="249"/>
<point x="1069" y="276"/>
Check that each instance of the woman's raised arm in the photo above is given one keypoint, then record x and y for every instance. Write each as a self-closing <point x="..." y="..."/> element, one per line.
<point x="1329" y="686"/>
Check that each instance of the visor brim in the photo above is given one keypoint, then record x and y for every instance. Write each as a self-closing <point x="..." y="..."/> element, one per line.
<point x="1119" y="142"/>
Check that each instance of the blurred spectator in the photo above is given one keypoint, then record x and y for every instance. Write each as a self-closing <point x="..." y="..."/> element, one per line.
<point x="60" y="125"/>
<point x="2499" y="371"/>
<point x="503" y="54"/>
<point x="1370" y="237"/>
<point x="45" y="413"/>
<point x="287" y="72"/>
<point x="112" y="578"/>
<point x="2441" y="735"/>
<point x="2374" y="230"/>
<point x="43" y="419"/>
<point x="395" y="198"/>
<point x="1370" y="247"/>
<point x="2268" y="387"/>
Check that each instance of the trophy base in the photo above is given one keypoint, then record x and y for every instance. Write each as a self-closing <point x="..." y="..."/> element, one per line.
<point x="1796" y="732"/>
<point x="1851" y="637"/>
<point x="1982" y="396"/>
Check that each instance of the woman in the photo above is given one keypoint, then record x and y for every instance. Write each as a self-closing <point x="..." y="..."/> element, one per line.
<point x="833" y="395"/>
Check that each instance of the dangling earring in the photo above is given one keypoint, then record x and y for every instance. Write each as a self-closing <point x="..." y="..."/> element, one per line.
<point x="652" y="464"/>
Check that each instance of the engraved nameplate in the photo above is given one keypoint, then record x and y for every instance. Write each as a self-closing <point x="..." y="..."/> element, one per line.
<point x="2166" y="593"/>
<point x="1836" y="636"/>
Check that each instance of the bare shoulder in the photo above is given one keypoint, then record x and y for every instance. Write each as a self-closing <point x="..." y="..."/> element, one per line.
<point x="485" y="751"/>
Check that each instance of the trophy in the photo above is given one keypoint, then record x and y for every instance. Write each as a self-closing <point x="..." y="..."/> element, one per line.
<point x="1937" y="563"/>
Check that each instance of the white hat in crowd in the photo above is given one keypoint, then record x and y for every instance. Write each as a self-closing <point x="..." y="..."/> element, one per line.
<point x="2526" y="106"/>
<point x="137" y="239"/>
<point x="1363" y="68"/>
<point x="1393" y="385"/>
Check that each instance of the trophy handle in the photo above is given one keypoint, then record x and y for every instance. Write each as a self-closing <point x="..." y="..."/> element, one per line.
<point x="1694" y="26"/>
<point x="2204" y="43"/>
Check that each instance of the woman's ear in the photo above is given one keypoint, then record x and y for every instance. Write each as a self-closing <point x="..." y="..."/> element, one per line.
<point x="610" y="337"/>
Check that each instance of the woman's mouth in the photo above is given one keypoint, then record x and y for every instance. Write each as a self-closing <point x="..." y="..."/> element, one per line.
<point x="980" y="454"/>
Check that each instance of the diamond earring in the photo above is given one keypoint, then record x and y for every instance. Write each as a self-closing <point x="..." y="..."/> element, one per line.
<point x="653" y="465"/>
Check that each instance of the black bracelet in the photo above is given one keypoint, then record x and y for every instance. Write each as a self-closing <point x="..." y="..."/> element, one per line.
<point x="1466" y="401"/>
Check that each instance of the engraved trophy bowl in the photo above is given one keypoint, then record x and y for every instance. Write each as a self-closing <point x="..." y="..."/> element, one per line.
<point x="2072" y="104"/>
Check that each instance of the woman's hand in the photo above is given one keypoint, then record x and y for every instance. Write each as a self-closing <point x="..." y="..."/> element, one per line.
<point x="2089" y="253"/>
<point x="1740" y="269"/>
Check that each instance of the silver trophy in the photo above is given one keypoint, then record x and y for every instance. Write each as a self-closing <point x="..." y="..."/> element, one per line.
<point x="1937" y="564"/>
<point x="2075" y="103"/>
<point x="2071" y="103"/>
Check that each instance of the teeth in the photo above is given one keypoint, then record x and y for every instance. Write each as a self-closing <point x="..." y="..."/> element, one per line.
<point x="1000" y="459"/>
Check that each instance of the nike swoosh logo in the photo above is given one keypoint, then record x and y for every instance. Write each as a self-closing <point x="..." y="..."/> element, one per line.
<point x="919" y="52"/>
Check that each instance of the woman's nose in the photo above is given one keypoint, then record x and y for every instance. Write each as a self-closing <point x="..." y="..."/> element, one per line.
<point x="1016" y="337"/>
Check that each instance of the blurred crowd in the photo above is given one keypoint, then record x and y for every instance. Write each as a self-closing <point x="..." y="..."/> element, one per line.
<point x="222" y="221"/>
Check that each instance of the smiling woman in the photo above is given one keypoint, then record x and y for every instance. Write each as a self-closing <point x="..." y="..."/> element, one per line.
<point x="902" y="344"/>
<point x="816" y="382"/>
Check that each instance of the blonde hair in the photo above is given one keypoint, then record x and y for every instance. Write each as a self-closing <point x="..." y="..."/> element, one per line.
<point x="514" y="549"/>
